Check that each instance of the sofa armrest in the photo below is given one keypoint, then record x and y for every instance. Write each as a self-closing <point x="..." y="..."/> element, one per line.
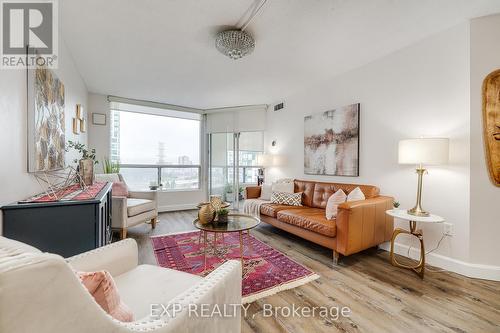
<point x="149" y="195"/>
<point x="363" y="224"/>
<point x="119" y="212"/>
<point x="116" y="258"/>
<point x="252" y="192"/>
<point x="221" y="288"/>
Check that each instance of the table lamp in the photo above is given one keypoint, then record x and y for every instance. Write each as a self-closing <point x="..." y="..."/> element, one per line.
<point x="423" y="151"/>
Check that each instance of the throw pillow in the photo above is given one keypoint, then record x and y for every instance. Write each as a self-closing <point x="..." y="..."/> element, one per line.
<point x="283" y="187"/>
<point x="290" y="199"/>
<point x="356" y="194"/>
<point x="265" y="192"/>
<point x="102" y="287"/>
<point x="332" y="205"/>
<point x="119" y="189"/>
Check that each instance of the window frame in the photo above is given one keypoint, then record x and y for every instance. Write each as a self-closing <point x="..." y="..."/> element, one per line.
<point x="159" y="167"/>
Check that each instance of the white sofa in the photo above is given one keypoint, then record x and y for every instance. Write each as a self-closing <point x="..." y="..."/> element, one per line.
<point x="137" y="208"/>
<point x="39" y="292"/>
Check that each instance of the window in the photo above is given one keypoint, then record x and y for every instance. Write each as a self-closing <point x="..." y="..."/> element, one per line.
<point x="156" y="146"/>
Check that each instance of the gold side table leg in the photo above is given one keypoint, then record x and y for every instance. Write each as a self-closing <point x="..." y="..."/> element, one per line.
<point x="419" y="269"/>
<point x="204" y="250"/>
<point x="241" y="249"/>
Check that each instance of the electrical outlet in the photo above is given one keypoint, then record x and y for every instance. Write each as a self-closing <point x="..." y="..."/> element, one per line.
<point x="448" y="229"/>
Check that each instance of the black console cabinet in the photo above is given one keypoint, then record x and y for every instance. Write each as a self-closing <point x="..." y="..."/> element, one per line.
<point x="63" y="227"/>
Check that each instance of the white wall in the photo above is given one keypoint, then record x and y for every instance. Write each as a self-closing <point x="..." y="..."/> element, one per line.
<point x="421" y="90"/>
<point x="99" y="137"/>
<point x="485" y="197"/>
<point x="16" y="183"/>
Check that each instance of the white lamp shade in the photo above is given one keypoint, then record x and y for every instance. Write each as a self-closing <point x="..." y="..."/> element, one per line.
<point x="264" y="160"/>
<point x="270" y="160"/>
<point x="428" y="151"/>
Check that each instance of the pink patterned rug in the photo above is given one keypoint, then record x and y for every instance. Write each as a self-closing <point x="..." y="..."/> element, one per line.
<point x="266" y="271"/>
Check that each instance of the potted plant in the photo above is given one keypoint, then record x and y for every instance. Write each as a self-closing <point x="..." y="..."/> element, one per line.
<point x="395" y="204"/>
<point x="222" y="215"/>
<point x="86" y="162"/>
<point x="109" y="166"/>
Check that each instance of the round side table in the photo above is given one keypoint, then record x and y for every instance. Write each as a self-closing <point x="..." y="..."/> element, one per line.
<point x="412" y="219"/>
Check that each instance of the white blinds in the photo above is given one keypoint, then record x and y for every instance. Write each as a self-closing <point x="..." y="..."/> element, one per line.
<point x="240" y="119"/>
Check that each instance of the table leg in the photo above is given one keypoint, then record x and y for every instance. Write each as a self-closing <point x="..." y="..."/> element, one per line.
<point x="419" y="269"/>
<point x="241" y="249"/>
<point x="204" y="250"/>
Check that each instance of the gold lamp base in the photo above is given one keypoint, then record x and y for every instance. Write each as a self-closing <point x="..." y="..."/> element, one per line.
<point x="417" y="210"/>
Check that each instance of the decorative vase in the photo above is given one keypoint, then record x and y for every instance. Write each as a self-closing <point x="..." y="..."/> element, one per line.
<point x="206" y="213"/>
<point x="86" y="170"/>
<point x="216" y="202"/>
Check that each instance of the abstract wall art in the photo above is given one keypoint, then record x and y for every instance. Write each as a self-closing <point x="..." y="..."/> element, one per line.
<point x="46" y="123"/>
<point x="331" y="142"/>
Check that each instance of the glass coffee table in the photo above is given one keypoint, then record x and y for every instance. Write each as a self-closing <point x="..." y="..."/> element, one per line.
<point x="235" y="223"/>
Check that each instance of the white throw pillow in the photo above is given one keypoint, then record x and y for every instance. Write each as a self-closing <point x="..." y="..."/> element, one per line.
<point x="332" y="205"/>
<point x="283" y="187"/>
<point x="356" y="194"/>
<point x="266" y="191"/>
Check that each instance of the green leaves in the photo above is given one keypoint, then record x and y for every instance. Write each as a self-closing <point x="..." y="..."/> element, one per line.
<point x="85" y="152"/>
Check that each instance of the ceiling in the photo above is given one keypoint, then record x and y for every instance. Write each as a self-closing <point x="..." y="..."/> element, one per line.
<point x="163" y="50"/>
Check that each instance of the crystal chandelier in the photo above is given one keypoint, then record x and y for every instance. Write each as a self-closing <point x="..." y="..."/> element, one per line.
<point x="234" y="43"/>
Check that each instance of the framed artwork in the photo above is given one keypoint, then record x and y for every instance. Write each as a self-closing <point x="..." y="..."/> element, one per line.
<point x="491" y="124"/>
<point x="46" y="123"/>
<point x="331" y="142"/>
<point x="98" y="119"/>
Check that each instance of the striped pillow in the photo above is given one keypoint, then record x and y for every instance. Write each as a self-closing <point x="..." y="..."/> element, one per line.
<point x="290" y="199"/>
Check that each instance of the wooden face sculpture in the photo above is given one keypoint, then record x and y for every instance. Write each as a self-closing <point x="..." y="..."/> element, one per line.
<point x="491" y="124"/>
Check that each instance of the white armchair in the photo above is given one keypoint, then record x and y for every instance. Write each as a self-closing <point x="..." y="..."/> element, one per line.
<point x="39" y="292"/>
<point x="137" y="208"/>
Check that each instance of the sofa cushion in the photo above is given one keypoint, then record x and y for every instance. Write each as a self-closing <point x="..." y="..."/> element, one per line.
<point x="322" y="192"/>
<point x="307" y="189"/>
<point x="138" y="206"/>
<point x="283" y="198"/>
<point x="147" y="284"/>
<point x="272" y="210"/>
<point x="312" y="219"/>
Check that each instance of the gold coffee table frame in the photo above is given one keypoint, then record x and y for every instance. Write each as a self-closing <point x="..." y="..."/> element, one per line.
<point x="419" y="268"/>
<point x="236" y="223"/>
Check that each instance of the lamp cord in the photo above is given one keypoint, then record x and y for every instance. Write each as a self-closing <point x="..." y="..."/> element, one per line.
<point x="426" y="253"/>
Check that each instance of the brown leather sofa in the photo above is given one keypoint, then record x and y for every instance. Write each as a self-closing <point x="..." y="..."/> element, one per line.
<point x="359" y="224"/>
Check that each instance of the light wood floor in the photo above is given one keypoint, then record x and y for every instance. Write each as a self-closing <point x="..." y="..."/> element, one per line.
<point x="382" y="298"/>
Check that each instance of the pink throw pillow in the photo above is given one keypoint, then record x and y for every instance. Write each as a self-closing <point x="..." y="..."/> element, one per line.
<point x="102" y="287"/>
<point x="119" y="189"/>
<point x="332" y="205"/>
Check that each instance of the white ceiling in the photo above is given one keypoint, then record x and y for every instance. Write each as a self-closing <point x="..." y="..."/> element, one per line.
<point x="163" y="50"/>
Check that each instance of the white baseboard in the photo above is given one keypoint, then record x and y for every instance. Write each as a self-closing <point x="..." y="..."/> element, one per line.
<point x="170" y="208"/>
<point x="479" y="271"/>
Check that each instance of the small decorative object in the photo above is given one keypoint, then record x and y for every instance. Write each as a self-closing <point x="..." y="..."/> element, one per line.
<point x="86" y="170"/>
<point x="85" y="163"/>
<point x="46" y="126"/>
<point x="222" y="216"/>
<point x="206" y="213"/>
<point x="431" y="151"/>
<point x="98" y="119"/>
<point x="216" y="202"/>
<point x="79" y="121"/>
<point x="83" y="126"/>
<point x="331" y="142"/>
<point x="491" y="124"/>
<point x="395" y="204"/>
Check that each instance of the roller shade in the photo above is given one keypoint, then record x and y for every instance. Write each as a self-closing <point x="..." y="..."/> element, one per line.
<point x="241" y="119"/>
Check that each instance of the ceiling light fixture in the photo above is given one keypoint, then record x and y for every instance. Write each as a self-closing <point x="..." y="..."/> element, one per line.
<point x="237" y="43"/>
